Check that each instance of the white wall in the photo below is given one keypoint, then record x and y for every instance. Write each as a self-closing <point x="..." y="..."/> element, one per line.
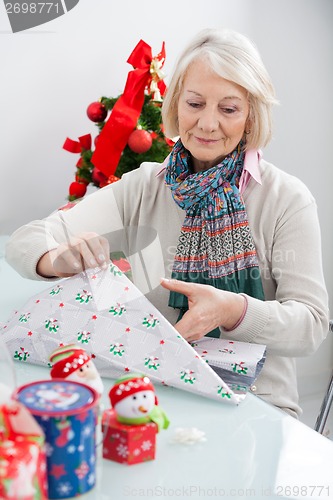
<point x="51" y="73"/>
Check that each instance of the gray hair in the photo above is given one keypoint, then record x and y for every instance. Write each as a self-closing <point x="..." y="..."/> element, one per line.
<point x="234" y="57"/>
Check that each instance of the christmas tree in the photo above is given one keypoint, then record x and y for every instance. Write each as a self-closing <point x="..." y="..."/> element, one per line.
<point x="130" y="127"/>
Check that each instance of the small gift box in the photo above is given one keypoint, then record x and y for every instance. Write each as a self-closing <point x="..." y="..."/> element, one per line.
<point x="123" y="443"/>
<point x="22" y="456"/>
<point x="237" y="363"/>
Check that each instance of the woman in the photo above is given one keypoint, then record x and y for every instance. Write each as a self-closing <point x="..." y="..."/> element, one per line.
<point x="243" y="234"/>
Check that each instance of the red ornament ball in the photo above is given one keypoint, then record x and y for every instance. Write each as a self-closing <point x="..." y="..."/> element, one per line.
<point x="96" y="112"/>
<point x="140" y="141"/>
<point x="77" y="189"/>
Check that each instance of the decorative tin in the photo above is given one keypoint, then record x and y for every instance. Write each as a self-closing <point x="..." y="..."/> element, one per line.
<point x="67" y="412"/>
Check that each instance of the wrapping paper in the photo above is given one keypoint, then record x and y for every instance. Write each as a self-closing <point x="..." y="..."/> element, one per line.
<point x="238" y="363"/>
<point x="104" y="312"/>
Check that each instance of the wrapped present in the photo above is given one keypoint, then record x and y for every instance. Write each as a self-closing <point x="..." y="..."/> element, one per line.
<point x="238" y="363"/>
<point x="22" y="453"/>
<point x="130" y="444"/>
<point x="66" y="411"/>
<point x="102" y="310"/>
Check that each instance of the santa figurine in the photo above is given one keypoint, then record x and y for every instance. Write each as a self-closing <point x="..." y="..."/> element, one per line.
<point x="73" y="363"/>
<point x="134" y="402"/>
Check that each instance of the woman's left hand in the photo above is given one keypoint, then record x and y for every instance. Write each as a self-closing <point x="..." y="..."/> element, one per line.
<point x="208" y="308"/>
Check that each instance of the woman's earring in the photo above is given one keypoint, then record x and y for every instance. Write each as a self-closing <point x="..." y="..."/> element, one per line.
<point x="247" y="132"/>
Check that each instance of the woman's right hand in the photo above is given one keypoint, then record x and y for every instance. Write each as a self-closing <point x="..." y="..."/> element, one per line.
<point x="81" y="252"/>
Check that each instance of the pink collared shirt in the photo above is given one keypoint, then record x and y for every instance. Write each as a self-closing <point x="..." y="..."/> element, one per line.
<point x="251" y="168"/>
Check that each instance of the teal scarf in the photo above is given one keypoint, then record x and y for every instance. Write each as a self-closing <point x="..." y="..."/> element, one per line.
<point x="215" y="245"/>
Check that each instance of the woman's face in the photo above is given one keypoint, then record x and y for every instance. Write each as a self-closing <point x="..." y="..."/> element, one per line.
<point x="212" y="114"/>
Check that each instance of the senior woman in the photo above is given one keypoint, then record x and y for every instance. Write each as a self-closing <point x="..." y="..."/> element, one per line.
<point x="239" y="237"/>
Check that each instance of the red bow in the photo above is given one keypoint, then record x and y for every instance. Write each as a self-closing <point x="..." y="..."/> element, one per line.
<point x="83" y="144"/>
<point x="125" y="113"/>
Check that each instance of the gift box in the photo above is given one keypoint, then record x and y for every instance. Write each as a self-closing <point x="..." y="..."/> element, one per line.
<point x="102" y="310"/>
<point x="67" y="412"/>
<point x="237" y="363"/>
<point x="129" y="444"/>
<point x="22" y="455"/>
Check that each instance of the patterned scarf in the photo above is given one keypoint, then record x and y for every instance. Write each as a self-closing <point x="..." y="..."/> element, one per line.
<point x="215" y="245"/>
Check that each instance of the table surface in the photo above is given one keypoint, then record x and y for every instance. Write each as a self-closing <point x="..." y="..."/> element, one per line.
<point x="251" y="451"/>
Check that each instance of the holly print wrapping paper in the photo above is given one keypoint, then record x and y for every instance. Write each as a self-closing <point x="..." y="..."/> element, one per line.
<point x="238" y="363"/>
<point x="102" y="310"/>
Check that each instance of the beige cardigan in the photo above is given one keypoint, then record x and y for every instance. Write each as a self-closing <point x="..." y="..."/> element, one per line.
<point x="139" y="216"/>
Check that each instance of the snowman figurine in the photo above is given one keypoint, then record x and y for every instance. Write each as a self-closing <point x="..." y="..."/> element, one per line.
<point x="134" y="402"/>
<point x="72" y="363"/>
